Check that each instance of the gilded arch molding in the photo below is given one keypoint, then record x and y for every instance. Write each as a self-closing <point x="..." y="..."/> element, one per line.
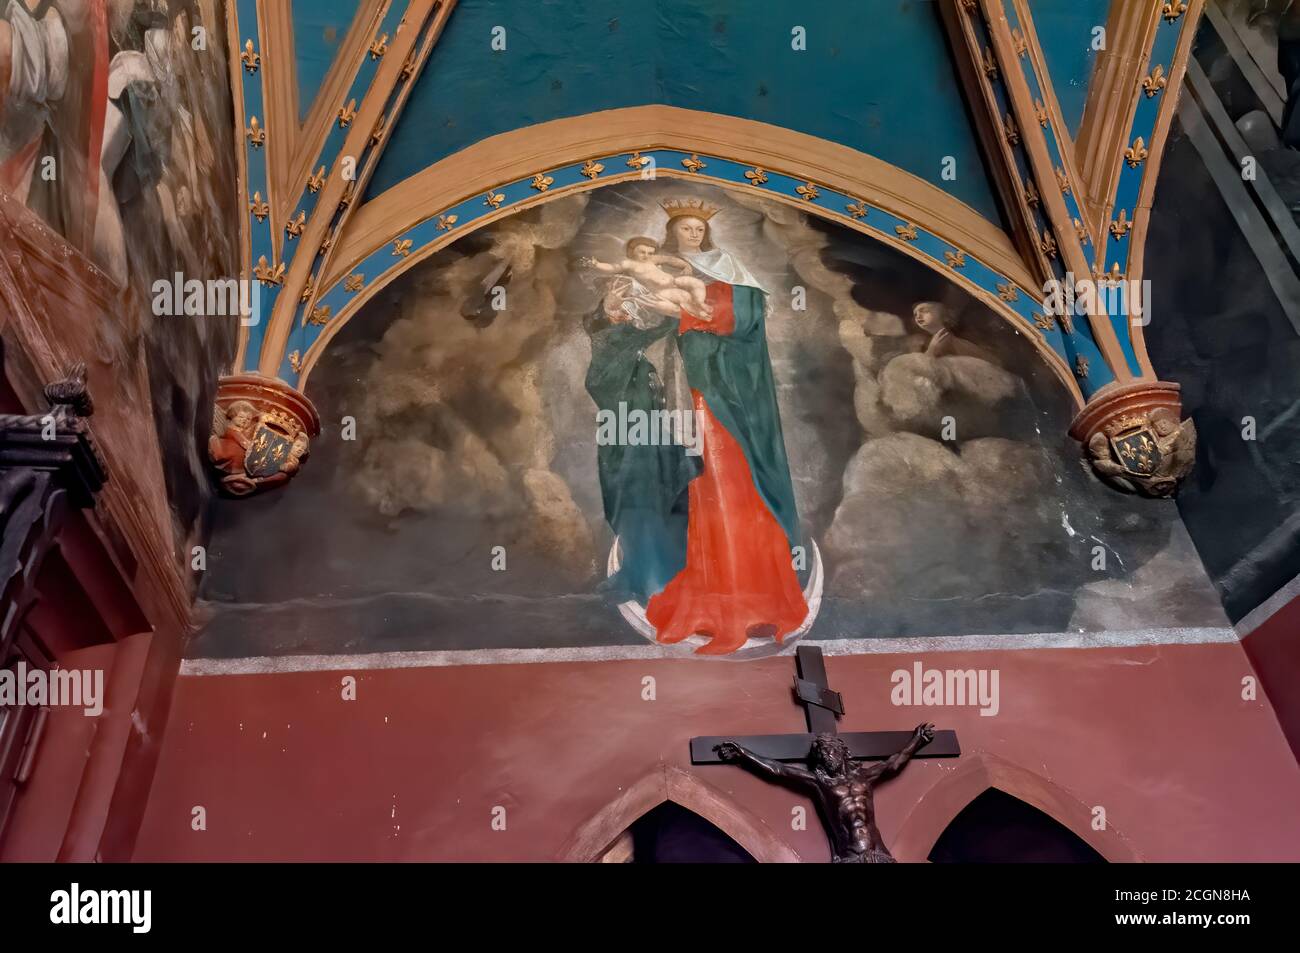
<point x="294" y="214"/>
<point x="526" y="167"/>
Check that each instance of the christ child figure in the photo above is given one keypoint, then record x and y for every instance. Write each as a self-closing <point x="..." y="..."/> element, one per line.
<point x="643" y="261"/>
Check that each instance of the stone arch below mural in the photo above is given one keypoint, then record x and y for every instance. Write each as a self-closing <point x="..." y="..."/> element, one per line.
<point x="976" y="773"/>
<point x="667" y="783"/>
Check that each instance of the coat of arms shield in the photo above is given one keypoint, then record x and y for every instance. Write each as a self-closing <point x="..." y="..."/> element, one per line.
<point x="268" y="450"/>
<point x="1137" y="450"/>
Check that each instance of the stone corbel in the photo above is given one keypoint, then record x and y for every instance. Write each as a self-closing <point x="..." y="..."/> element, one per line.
<point x="261" y="433"/>
<point x="1135" y="438"/>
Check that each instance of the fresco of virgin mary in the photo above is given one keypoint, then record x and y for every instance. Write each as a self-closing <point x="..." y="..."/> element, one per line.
<point x="705" y="534"/>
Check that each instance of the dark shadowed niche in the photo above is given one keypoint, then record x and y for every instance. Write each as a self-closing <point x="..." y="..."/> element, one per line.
<point x="672" y="834"/>
<point x="997" y="828"/>
<point x="1218" y="328"/>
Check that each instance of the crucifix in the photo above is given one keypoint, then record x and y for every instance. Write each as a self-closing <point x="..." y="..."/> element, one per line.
<point x="843" y="790"/>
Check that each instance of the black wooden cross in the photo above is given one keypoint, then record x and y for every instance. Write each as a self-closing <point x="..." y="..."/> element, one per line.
<point x="823" y="706"/>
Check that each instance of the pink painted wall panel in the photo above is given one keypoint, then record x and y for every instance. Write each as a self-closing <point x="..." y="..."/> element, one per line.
<point x="1157" y="736"/>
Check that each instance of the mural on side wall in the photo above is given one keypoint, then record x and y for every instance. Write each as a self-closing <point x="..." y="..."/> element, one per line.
<point x="662" y="411"/>
<point x="115" y="129"/>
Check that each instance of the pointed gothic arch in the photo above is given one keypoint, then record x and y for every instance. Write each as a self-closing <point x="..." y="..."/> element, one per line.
<point x="981" y="770"/>
<point x="669" y="783"/>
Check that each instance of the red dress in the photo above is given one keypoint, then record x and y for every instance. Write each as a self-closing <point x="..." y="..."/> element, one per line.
<point x="739" y="580"/>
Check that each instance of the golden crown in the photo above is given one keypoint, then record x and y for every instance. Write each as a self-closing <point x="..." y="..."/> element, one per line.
<point x="1127" y="422"/>
<point x="281" y="421"/>
<point x="696" y="209"/>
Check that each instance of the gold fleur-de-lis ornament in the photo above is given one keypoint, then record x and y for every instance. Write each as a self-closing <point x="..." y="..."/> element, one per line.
<point x="1155" y="82"/>
<point x="1137" y="153"/>
<point x="267" y="275"/>
<point x="348" y="194"/>
<point x="1121" y="225"/>
<point x="1011" y="130"/>
<point x="990" y="64"/>
<point x="250" y="57"/>
<point x="259" y="207"/>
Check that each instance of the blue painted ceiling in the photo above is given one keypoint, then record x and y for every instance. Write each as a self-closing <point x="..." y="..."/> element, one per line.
<point x="318" y="30"/>
<point x="876" y="75"/>
<point x="1064" y="29"/>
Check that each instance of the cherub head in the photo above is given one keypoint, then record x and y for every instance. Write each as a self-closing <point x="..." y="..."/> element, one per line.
<point x="297" y="453"/>
<point x="830" y="754"/>
<point x="641" y="249"/>
<point x="1164" y="421"/>
<point x="241" y="415"/>
<point x="931" y="317"/>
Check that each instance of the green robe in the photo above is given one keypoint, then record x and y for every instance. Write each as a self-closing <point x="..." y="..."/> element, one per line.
<point x="645" y="487"/>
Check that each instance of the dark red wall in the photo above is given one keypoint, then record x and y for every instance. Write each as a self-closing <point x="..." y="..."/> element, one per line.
<point x="1274" y="649"/>
<point x="1157" y="736"/>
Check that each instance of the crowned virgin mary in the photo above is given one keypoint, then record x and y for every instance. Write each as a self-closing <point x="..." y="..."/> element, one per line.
<point x="705" y="532"/>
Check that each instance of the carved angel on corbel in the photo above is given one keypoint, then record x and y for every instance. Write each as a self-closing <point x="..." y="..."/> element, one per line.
<point x="1146" y="454"/>
<point x="254" y="451"/>
<point x="232" y="434"/>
